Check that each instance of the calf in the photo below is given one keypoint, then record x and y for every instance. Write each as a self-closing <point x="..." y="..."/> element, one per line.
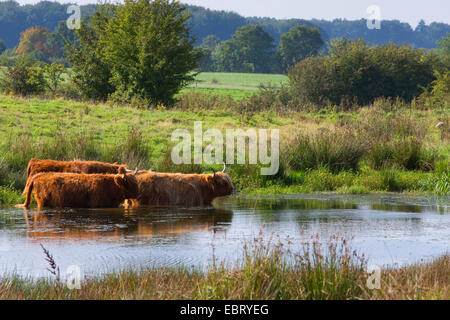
<point x="78" y="190"/>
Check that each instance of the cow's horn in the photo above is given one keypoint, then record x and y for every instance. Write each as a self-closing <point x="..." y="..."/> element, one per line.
<point x="214" y="172"/>
<point x="128" y="170"/>
<point x="224" y="167"/>
<point x="135" y="172"/>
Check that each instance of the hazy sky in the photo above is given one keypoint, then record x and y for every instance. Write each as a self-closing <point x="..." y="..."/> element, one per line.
<point x="404" y="10"/>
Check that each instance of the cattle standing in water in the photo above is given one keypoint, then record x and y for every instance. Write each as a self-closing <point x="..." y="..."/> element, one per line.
<point x="36" y="166"/>
<point x="176" y="189"/>
<point x="75" y="190"/>
<point x="76" y="166"/>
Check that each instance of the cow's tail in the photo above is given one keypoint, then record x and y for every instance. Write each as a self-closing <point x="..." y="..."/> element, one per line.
<point x="29" y="169"/>
<point x="24" y="193"/>
<point x="28" y="176"/>
<point x="28" y="190"/>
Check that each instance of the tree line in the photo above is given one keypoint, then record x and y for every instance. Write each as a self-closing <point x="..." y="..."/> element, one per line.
<point x="252" y="50"/>
<point x="142" y="52"/>
<point x="16" y="18"/>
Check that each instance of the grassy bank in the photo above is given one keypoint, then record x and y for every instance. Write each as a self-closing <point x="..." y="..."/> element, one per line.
<point x="378" y="148"/>
<point x="265" y="271"/>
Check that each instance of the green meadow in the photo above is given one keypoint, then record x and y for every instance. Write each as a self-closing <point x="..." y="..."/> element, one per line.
<point x="354" y="152"/>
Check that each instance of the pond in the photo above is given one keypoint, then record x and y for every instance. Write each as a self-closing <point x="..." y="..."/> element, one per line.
<point x="389" y="229"/>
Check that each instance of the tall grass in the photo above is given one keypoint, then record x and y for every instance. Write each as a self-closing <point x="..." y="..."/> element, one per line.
<point x="66" y="146"/>
<point x="321" y="270"/>
<point x="380" y="147"/>
<point x="336" y="150"/>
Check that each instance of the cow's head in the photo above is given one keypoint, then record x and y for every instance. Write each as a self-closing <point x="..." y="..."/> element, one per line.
<point x="222" y="183"/>
<point x="127" y="183"/>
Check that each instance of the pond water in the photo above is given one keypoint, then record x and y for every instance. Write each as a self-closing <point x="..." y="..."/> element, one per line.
<point x="389" y="229"/>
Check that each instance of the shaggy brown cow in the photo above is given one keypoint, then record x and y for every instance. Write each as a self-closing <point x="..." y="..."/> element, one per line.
<point x="76" y="166"/>
<point x="78" y="190"/>
<point x="176" y="189"/>
<point x="36" y="166"/>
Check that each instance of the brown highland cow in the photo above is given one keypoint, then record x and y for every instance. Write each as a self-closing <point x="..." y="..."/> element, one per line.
<point x="176" y="189"/>
<point x="79" y="190"/>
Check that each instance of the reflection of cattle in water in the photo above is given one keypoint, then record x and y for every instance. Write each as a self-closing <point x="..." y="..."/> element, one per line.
<point x="61" y="190"/>
<point x="116" y="224"/>
<point x="177" y="189"/>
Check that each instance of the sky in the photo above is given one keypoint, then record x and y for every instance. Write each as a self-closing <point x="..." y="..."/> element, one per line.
<point x="411" y="11"/>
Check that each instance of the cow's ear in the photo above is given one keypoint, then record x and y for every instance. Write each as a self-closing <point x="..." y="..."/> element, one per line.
<point x="119" y="180"/>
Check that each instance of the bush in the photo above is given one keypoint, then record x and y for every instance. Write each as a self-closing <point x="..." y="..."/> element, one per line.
<point x="354" y="73"/>
<point x="9" y="195"/>
<point x="439" y="95"/>
<point x="23" y="78"/>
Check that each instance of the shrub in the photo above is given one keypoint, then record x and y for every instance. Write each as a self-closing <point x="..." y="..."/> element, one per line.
<point x="9" y="195"/>
<point x="356" y="73"/>
<point x="23" y="78"/>
<point x="439" y="95"/>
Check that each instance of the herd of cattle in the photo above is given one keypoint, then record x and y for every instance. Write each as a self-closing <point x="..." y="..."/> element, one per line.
<point x="93" y="184"/>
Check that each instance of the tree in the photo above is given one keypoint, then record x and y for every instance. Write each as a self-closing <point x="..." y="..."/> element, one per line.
<point x="210" y="42"/>
<point x="58" y="39"/>
<point x="34" y="40"/>
<point x="91" y="73"/>
<point x="208" y="46"/>
<point x="150" y="50"/>
<point x="250" y="50"/>
<point x="256" y="46"/>
<point x="229" y="57"/>
<point x="443" y="49"/>
<point x="299" y="43"/>
<point x="2" y="46"/>
<point x="54" y="76"/>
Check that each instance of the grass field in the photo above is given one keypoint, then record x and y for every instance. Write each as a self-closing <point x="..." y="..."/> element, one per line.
<point x="247" y="81"/>
<point x="236" y="85"/>
<point x="65" y="130"/>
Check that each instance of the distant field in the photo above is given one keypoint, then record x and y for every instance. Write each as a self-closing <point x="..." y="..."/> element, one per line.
<point x="236" y="85"/>
<point x="243" y="81"/>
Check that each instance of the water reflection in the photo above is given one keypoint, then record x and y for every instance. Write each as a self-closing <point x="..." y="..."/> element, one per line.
<point x="280" y="204"/>
<point x="117" y="224"/>
<point x="396" y="208"/>
<point x="388" y="228"/>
